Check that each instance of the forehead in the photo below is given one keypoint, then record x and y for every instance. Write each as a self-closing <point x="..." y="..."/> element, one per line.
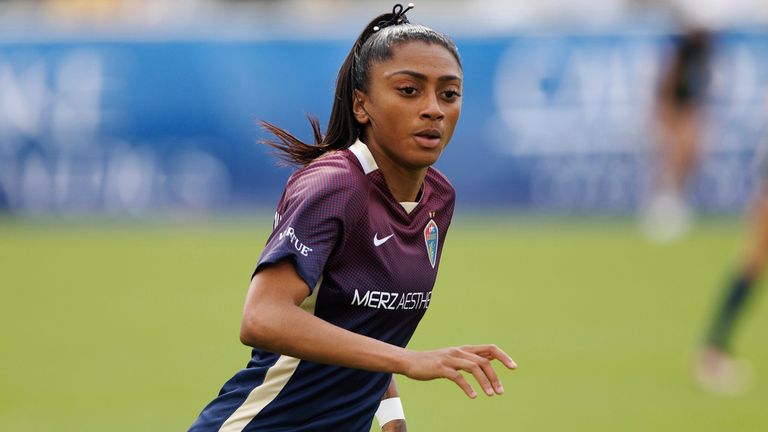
<point x="426" y="58"/>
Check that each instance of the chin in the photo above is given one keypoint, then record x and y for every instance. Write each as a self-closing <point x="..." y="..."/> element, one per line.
<point x="425" y="159"/>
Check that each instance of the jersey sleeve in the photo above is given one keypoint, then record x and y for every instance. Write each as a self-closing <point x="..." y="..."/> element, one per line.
<point x="320" y="204"/>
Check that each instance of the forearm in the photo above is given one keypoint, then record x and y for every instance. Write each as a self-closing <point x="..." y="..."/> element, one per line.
<point x="392" y="390"/>
<point x="395" y="425"/>
<point x="288" y="329"/>
<point x="273" y="321"/>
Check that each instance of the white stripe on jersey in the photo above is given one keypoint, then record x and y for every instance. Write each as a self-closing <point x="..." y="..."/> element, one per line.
<point x="274" y="382"/>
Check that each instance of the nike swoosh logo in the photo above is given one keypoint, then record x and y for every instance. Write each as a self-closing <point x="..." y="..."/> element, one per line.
<point x="378" y="242"/>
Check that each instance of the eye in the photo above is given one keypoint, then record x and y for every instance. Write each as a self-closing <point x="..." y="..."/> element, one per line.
<point x="407" y="90"/>
<point x="451" y="94"/>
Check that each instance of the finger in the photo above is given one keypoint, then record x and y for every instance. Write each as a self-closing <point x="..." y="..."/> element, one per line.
<point x="456" y="377"/>
<point x="476" y="371"/>
<point x="492" y="352"/>
<point x="487" y="369"/>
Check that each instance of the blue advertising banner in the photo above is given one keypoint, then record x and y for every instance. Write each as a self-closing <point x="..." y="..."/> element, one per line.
<point x="551" y="122"/>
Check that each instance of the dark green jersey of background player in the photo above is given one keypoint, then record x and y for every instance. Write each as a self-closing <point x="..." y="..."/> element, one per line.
<point x="370" y="263"/>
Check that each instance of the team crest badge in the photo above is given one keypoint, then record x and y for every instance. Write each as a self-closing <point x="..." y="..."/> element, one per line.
<point x="430" y="239"/>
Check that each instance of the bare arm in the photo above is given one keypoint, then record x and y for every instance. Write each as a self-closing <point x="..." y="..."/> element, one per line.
<point x="391" y="390"/>
<point x="272" y="320"/>
<point x="394" y="425"/>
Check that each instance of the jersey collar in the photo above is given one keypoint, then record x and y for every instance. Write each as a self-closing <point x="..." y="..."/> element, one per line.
<point x="364" y="156"/>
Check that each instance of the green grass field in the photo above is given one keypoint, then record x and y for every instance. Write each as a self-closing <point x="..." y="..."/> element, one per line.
<point x="134" y="326"/>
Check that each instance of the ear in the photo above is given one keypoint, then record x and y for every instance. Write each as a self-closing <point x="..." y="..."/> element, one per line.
<point x="359" y="99"/>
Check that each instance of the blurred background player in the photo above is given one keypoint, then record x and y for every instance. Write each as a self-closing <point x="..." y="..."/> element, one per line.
<point x="348" y="270"/>
<point x="715" y="366"/>
<point x="679" y="107"/>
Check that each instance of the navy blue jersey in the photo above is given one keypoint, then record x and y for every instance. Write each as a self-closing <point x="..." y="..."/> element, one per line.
<point x="370" y="264"/>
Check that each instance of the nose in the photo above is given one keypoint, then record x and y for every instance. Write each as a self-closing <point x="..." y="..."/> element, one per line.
<point x="431" y="109"/>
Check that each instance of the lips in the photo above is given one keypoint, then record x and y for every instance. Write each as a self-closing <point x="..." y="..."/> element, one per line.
<point x="429" y="138"/>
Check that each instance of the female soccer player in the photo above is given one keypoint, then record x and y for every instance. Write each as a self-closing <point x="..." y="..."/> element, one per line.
<point x="348" y="270"/>
<point x="715" y="366"/>
<point x="679" y="113"/>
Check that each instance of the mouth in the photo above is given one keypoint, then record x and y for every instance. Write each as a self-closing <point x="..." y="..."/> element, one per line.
<point x="429" y="138"/>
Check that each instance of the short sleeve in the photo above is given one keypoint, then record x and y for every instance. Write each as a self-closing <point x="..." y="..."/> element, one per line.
<point x="319" y="205"/>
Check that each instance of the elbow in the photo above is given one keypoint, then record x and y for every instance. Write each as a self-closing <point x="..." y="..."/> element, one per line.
<point x="256" y="331"/>
<point x="251" y="331"/>
<point x="247" y="336"/>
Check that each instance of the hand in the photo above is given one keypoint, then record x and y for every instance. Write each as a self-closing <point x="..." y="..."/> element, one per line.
<point x="448" y="362"/>
<point x="394" y="426"/>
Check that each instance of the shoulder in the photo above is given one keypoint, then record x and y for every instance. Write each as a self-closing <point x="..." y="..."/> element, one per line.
<point x="334" y="176"/>
<point x="332" y="170"/>
<point x="440" y="184"/>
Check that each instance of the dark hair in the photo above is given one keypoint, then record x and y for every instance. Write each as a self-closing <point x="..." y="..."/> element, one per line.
<point x="374" y="45"/>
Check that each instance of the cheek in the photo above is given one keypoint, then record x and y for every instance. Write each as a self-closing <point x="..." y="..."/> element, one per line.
<point x="390" y="108"/>
<point x="396" y="117"/>
<point x="452" y="115"/>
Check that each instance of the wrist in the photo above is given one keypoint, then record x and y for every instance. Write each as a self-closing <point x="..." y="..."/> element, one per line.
<point x="403" y="362"/>
<point x="390" y="410"/>
<point x="394" y="426"/>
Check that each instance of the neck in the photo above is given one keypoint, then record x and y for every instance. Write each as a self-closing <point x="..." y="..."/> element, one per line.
<point x="404" y="183"/>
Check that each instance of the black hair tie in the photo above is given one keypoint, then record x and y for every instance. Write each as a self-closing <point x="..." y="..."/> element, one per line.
<point x="398" y="17"/>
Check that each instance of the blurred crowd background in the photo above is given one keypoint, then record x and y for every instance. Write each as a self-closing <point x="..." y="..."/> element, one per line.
<point x="130" y="107"/>
<point x="342" y="17"/>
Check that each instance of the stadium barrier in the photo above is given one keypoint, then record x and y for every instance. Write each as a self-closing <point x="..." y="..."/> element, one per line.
<point x="554" y="122"/>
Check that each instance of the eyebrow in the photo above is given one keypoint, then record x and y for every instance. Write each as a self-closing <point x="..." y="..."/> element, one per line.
<point x="421" y="76"/>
